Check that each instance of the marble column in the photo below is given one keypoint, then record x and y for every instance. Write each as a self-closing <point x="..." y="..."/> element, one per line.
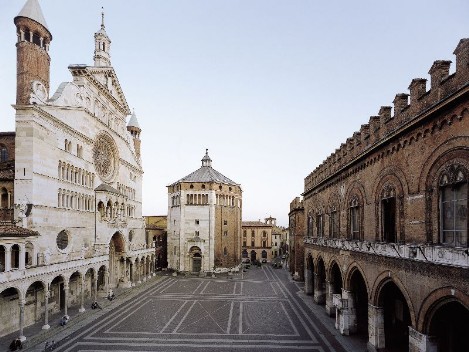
<point x="66" y="298"/>
<point x="330" y="309"/>
<point x="419" y="342"/>
<point x="46" y="310"/>
<point x="82" y="294"/>
<point x="376" y="337"/>
<point x="308" y="282"/>
<point x="7" y="258"/>
<point x="21" y="303"/>
<point x="319" y="290"/>
<point x="95" y="288"/>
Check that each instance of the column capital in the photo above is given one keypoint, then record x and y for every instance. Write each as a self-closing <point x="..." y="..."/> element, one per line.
<point x="22" y="302"/>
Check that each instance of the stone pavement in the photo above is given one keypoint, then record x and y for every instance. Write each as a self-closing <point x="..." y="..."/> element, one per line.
<point x="36" y="337"/>
<point x="259" y="310"/>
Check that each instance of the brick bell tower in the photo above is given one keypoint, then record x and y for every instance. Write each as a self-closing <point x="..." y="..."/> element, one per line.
<point x="32" y="52"/>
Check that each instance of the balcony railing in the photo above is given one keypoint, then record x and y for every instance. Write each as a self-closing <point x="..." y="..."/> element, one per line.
<point x="419" y="252"/>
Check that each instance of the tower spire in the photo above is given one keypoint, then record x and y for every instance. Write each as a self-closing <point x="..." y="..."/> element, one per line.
<point x="102" y="42"/>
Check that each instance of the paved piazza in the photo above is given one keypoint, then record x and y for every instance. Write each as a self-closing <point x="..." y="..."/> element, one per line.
<point x="259" y="310"/>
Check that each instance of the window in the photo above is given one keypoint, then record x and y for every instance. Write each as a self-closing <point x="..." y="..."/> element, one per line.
<point x="244" y="243"/>
<point x="333" y="224"/>
<point x="453" y="207"/>
<point x="197" y="221"/>
<point x="244" y="233"/>
<point x="264" y="234"/>
<point x="319" y="225"/>
<point x="3" y="153"/>
<point x="355" y="219"/>
<point x="264" y="244"/>
<point x="310" y="226"/>
<point x="197" y="233"/>
<point x="225" y="251"/>
<point x="225" y="222"/>
<point x="62" y="240"/>
<point x="225" y="233"/>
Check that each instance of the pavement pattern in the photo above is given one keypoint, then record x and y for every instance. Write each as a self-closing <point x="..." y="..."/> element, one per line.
<point x="261" y="309"/>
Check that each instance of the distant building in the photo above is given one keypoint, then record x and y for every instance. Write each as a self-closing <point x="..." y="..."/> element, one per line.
<point x="297" y="234"/>
<point x="386" y="221"/>
<point x="204" y="221"/>
<point x="156" y="234"/>
<point x="257" y="240"/>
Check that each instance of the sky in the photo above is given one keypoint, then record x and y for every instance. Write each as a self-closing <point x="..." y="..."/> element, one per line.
<point x="270" y="87"/>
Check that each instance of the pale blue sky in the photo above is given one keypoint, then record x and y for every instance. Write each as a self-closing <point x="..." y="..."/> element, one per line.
<point x="270" y="87"/>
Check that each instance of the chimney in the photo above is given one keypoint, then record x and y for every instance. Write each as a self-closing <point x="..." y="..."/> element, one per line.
<point x="417" y="88"/>
<point x="438" y="71"/>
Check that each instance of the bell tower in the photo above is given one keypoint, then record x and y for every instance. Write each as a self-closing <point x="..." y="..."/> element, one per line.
<point x="135" y="130"/>
<point x="32" y="53"/>
<point x="102" y="46"/>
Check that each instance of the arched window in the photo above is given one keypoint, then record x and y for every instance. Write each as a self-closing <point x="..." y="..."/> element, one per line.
<point x="4" y="199"/>
<point x="225" y="251"/>
<point x="310" y="226"/>
<point x="453" y="192"/>
<point x="354" y="218"/>
<point x="320" y="224"/>
<point x="333" y="223"/>
<point x="3" y="153"/>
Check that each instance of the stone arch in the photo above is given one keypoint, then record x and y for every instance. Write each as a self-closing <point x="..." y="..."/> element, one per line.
<point x="9" y="314"/>
<point x="383" y="279"/>
<point x="36" y="292"/>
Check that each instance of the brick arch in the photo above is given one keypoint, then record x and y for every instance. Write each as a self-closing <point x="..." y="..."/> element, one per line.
<point x="354" y="266"/>
<point x="443" y="156"/>
<point x="448" y="146"/>
<point x="381" y="281"/>
<point x="354" y="187"/>
<point x="435" y="300"/>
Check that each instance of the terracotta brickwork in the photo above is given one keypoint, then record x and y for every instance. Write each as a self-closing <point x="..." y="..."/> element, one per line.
<point x="33" y="61"/>
<point x="386" y="219"/>
<point x="7" y="175"/>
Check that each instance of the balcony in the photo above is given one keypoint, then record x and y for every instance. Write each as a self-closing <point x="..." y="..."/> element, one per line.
<point x="436" y="254"/>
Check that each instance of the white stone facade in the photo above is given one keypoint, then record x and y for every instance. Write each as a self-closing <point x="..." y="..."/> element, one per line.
<point x="78" y="197"/>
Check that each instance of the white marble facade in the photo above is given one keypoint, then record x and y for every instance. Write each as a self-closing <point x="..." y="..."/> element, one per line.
<point x="78" y="190"/>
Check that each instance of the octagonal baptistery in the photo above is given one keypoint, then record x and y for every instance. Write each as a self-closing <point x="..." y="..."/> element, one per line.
<point x="204" y="221"/>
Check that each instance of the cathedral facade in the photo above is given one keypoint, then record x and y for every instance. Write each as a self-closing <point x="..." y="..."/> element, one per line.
<point x="204" y="221"/>
<point x="76" y="228"/>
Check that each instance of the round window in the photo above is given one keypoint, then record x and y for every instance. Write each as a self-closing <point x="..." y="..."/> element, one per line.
<point x="62" y="239"/>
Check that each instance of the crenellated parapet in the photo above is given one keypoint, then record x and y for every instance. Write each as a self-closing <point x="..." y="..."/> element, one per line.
<point x="296" y="203"/>
<point x="391" y="121"/>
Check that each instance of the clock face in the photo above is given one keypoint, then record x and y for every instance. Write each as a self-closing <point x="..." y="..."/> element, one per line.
<point x="105" y="157"/>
